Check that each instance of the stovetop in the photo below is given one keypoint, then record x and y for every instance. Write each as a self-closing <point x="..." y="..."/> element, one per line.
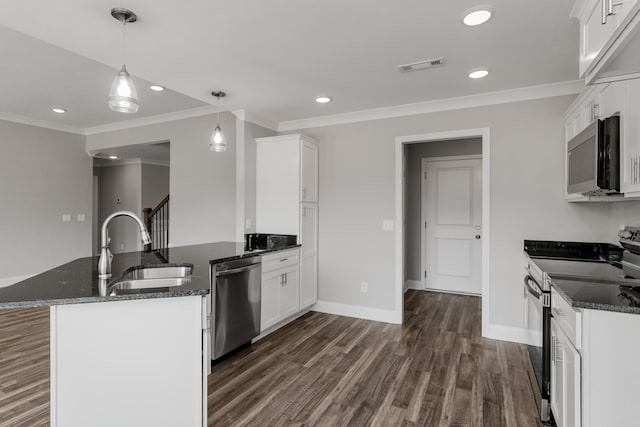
<point x="583" y="251"/>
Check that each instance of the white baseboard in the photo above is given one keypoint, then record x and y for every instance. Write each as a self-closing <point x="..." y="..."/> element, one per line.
<point x="509" y="333"/>
<point x="8" y="281"/>
<point x="413" y="284"/>
<point x="357" y="311"/>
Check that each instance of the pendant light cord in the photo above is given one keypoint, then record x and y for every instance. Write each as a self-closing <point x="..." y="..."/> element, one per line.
<point x="124" y="44"/>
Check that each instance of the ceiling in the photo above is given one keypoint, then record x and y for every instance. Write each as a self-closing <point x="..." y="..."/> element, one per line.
<point x="157" y="154"/>
<point x="36" y="77"/>
<point x="273" y="57"/>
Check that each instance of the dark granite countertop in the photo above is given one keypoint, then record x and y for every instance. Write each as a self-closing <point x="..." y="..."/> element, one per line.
<point x="598" y="295"/>
<point x="77" y="281"/>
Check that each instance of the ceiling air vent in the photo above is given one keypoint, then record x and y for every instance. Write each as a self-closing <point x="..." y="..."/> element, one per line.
<point x="421" y="65"/>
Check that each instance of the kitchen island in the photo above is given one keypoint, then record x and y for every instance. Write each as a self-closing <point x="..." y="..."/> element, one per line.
<point x="127" y="357"/>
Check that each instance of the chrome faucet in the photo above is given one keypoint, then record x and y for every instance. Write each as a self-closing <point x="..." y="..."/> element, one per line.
<point x="104" y="265"/>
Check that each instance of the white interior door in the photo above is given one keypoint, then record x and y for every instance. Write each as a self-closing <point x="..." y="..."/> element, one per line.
<point x="452" y="210"/>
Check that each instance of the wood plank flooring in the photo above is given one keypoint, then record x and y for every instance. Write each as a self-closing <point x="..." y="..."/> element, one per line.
<point x="325" y="370"/>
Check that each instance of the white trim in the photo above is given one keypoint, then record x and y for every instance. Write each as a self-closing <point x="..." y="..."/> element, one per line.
<point x="256" y="119"/>
<point x="15" y="118"/>
<point x="491" y="98"/>
<point x="508" y="333"/>
<point x="485" y="133"/>
<point x="240" y="187"/>
<point x="416" y="285"/>
<point x="8" y="281"/>
<point x="288" y="138"/>
<point x="136" y="161"/>
<point x="423" y="204"/>
<point x="357" y="311"/>
<point x="152" y="120"/>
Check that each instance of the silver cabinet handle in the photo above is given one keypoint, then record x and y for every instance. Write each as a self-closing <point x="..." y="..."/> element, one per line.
<point x="558" y="357"/>
<point x="284" y="259"/>
<point x="282" y="280"/>
<point x="304" y="211"/>
<point x="304" y="194"/>
<point x="603" y="21"/>
<point x="611" y="6"/>
<point x="553" y="349"/>
<point x="286" y="278"/>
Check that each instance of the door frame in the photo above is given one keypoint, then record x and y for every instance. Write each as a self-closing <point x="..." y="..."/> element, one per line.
<point x="400" y="141"/>
<point x="423" y="205"/>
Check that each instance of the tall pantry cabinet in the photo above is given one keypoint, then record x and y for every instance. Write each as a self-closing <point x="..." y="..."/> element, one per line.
<point x="287" y="200"/>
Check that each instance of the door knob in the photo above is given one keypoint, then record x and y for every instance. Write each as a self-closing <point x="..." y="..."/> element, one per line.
<point x="477" y="236"/>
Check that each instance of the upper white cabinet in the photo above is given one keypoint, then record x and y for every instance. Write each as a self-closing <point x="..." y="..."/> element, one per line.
<point x="286" y="175"/>
<point x="606" y="28"/>
<point x="309" y="172"/>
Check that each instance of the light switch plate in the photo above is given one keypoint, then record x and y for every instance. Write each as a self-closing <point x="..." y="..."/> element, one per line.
<point x="387" y="225"/>
<point x="66" y="218"/>
<point x="81" y="217"/>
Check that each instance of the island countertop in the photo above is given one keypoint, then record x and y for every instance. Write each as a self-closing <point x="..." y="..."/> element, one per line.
<point x="77" y="281"/>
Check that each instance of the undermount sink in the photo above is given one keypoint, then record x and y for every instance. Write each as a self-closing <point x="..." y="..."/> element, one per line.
<point x="161" y="276"/>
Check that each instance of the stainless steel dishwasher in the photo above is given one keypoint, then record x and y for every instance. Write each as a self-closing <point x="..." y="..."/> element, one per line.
<point x="235" y="305"/>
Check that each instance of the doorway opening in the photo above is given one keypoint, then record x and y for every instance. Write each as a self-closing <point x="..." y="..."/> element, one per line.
<point x="132" y="178"/>
<point x="442" y="202"/>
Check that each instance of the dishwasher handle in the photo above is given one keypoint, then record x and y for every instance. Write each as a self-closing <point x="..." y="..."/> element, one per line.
<point x="237" y="270"/>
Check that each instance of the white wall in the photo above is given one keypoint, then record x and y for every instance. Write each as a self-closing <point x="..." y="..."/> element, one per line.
<point x="251" y="132"/>
<point x="202" y="183"/>
<point x="413" y="199"/>
<point x="527" y="202"/>
<point x="155" y="184"/>
<point x="124" y="183"/>
<point x="43" y="175"/>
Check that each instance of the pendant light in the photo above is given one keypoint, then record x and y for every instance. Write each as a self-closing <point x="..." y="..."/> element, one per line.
<point x="217" y="142"/>
<point x="123" y="96"/>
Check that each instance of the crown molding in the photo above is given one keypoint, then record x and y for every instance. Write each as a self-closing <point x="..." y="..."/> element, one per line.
<point x="490" y="98"/>
<point x="152" y="120"/>
<point x="15" y="118"/>
<point x="248" y="116"/>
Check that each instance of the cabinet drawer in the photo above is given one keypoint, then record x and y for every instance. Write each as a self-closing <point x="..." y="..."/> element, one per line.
<point x="279" y="260"/>
<point x="568" y="319"/>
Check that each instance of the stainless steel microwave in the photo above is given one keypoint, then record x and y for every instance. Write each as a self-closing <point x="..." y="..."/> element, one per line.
<point x="593" y="159"/>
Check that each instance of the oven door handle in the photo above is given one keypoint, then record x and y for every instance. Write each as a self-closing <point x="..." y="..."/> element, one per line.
<point x="527" y="283"/>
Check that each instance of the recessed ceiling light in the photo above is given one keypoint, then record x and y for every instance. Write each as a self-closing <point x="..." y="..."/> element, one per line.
<point x="156" y="88"/>
<point x="59" y="110"/>
<point x="477" y="16"/>
<point x="113" y="157"/>
<point x="478" y="74"/>
<point x="323" y="99"/>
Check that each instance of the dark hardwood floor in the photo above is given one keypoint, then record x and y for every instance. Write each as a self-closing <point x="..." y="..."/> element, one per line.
<point x="325" y="370"/>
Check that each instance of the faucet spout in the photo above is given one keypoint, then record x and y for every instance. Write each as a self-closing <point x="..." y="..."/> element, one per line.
<point x="104" y="264"/>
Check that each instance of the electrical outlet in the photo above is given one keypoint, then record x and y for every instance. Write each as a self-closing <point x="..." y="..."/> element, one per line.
<point x="387" y="225"/>
<point x="81" y="218"/>
<point x="66" y="218"/>
<point x="364" y="287"/>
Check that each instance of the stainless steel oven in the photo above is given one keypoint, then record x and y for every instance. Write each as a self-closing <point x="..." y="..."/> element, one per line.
<point x="538" y="298"/>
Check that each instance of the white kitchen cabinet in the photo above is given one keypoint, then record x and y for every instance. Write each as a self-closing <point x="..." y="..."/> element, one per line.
<point x="630" y="140"/>
<point x="286" y="175"/>
<point x="606" y="26"/>
<point x="309" y="171"/>
<point x="565" y="379"/>
<point x="309" y="255"/>
<point x="595" y="376"/>
<point x="287" y="202"/>
<point x="280" y="287"/>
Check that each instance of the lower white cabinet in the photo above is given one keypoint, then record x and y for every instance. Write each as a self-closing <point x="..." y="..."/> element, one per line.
<point x="308" y="254"/>
<point x="565" y="379"/>
<point x="280" y="287"/>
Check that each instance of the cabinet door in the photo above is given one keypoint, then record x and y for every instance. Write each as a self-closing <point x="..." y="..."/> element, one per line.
<point x="630" y="167"/>
<point x="594" y="35"/>
<point x="271" y="283"/>
<point x="309" y="172"/>
<point x="612" y="99"/>
<point x="557" y="377"/>
<point x="309" y="254"/>
<point x="289" y="292"/>
<point x="571" y="368"/>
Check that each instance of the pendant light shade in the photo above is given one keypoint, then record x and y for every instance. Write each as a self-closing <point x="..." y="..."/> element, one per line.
<point x="123" y="96"/>
<point x="217" y="142"/>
